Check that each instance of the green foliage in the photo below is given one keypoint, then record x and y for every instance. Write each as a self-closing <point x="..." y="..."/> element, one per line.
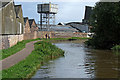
<point x="14" y="49"/>
<point x="117" y="48"/>
<point x="24" y="69"/>
<point x="106" y="25"/>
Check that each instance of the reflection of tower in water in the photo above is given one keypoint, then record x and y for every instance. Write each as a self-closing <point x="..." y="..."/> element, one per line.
<point x="89" y="65"/>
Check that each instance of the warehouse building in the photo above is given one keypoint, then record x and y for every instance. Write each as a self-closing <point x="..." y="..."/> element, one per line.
<point x="12" y="19"/>
<point x="12" y="24"/>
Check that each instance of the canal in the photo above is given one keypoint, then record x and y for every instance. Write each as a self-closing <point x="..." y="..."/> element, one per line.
<point x="80" y="62"/>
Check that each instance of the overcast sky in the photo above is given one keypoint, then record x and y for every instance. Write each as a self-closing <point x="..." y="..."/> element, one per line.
<point x="69" y="10"/>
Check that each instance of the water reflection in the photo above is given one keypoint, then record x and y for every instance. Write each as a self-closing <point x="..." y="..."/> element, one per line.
<point x="80" y="62"/>
<point x="104" y="64"/>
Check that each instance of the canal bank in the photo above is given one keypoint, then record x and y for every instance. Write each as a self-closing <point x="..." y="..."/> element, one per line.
<point x="26" y="68"/>
<point x="80" y="62"/>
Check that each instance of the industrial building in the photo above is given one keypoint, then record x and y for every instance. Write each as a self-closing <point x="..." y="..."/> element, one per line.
<point x="79" y="26"/>
<point x="12" y="18"/>
<point x="27" y="25"/>
<point x="33" y="25"/>
<point x="13" y="28"/>
<point x="88" y="12"/>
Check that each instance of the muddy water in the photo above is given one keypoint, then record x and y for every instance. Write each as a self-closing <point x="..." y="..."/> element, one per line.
<point x="80" y="62"/>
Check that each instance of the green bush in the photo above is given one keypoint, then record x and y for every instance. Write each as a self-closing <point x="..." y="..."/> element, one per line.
<point x="117" y="48"/>
<point x="106" y="25"/>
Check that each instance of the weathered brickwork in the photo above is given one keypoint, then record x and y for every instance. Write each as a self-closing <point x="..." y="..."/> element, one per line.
<point x="7" y="41"/>
<point x="27" y="26"/>
<point x="32" y="35"/>
<point x="33" y="25"/>
<point x="13" y="39"/>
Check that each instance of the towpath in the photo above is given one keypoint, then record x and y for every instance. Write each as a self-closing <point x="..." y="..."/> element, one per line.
<point x="19" y="56"/>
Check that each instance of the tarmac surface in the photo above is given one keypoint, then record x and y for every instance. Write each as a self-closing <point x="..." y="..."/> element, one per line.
<point x="19" y="56"/>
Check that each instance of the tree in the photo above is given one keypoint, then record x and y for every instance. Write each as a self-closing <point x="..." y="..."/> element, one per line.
<point x="105" y="20"/>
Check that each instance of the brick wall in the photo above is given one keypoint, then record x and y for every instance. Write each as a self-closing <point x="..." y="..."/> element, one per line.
<point x="32" y="35"/>
<point x="27" y="27"/>
<point x="7" y="41"/>
<point x="13" y="39"/>
<point x="4" y="42"/>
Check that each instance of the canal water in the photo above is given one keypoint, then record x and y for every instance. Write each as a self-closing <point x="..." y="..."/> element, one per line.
<point x="80" y="62"/>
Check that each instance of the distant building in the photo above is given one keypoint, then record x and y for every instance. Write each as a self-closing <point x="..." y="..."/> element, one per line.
<point x="11" y="23"/>
<point x="33" y="25"/>
<point x="88" y="12"/>
<point x="27" y="25"/>
<point x="61" y="23"/>
<point x="63" y="29"/>
<point x="79" y="26"/>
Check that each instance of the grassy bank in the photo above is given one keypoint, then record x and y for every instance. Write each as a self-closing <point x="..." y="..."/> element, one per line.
<point x="14" y="49"/>
<point x="24" y="69"/>
<point x="62" y="39"/>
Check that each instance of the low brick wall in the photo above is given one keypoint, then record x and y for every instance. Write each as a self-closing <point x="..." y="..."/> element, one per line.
<point x="4" y="42"/>
<point x="7" y="41"/>
<point x="13" y="39"/>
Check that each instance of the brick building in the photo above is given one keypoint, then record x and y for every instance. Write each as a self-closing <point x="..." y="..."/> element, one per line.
<point x="33" y="25"/>
<point x="12" y="18"/>
<point x="88" y="13"/>
<point x="12" y="24"/>
<point x="27" y="25"/>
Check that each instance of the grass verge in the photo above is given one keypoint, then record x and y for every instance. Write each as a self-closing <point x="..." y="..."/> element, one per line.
<point x="14" y="49"/>
<point x="24" y="69"/>
<point x="62" y="39"/>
